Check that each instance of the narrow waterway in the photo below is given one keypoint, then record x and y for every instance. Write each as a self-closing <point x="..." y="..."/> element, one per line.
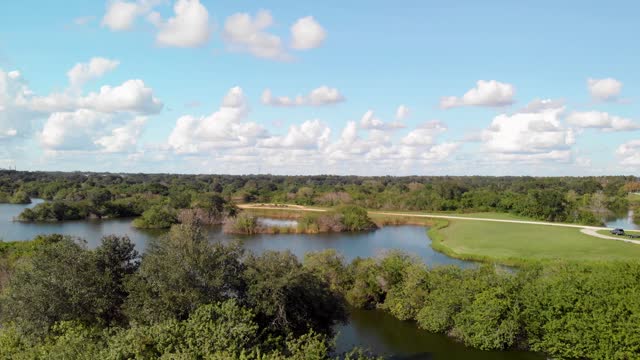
<point x="374" y="330"/>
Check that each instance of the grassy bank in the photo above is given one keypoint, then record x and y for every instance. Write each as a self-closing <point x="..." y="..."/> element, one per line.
<point x="515" y="244"/>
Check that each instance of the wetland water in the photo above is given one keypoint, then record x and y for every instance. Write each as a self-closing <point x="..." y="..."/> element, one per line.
<point x="370" y="329"/>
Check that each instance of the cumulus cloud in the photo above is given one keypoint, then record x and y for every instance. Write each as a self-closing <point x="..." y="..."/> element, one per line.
<point x="486" y="93"/>
<point x="246" y="33"/>
<point x="540" y="105"/>
<point x="320" y="96"/>
<point x="124" y="138"/>
<point x="629" y="153"/>
<point x="86" y="130"/>
<point x="189" y="27"/>
<point x="601" y="120"/>
<point x="402" y="112"/>
<point x="120" y="15"/>
<point x="223" y="129"/>
<point x="309" y="134"/>
<point x="131" y="96"/>
<point x="94" y="69"/>
<point x="16" y="121"/>
<point x="371" y="122"/>
<point x="306" y="33"/>
<point x="424" y="135"/>
<point x="72" y="130"/>
<point x="528" y="136"/>
<point x="607" y="89"/>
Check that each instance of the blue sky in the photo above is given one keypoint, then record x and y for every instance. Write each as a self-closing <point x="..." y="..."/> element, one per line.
<point x="491" y="87"/>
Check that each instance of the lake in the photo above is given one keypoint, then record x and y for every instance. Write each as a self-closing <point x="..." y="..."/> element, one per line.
<point x="369" y="329"/>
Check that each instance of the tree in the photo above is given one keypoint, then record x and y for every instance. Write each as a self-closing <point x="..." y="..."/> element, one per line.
<point x="180" y="272"/>
<point x="116" y="260"/>
<point x="156" y="217"/>
<point x="60" y="282"/>
<point x="289" y="299"/>
<point x="20" y="197"/>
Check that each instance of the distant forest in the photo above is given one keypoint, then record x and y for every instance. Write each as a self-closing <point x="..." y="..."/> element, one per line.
<point x="163" y="199"/>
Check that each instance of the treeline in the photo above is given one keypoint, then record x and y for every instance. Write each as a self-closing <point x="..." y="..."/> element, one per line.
<point x="186" y="298"/>
<point x="567" y="199"/>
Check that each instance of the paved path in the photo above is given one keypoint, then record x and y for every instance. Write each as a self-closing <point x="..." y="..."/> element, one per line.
<point x="593" y="232"/>
<point x="585" y="229"/>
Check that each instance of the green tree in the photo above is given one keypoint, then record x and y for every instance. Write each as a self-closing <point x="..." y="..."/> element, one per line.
<point x="180" y="272"/>
<point x="289" y="299"/>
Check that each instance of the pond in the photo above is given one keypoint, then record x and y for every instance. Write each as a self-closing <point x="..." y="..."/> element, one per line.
<point x="374" y="330"/>
<point x="623" y="221"/>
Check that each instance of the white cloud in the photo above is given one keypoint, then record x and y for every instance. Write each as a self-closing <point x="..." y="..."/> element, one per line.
<point x="130" y="96"/>
<point x="486" y="93"/>
<point x="607" y="89"/>
<point x="629" y="153"/>
<point x="402" y="112"/>
<point x="528" y="136"/>
<point x="188" y="28"/>
<point x="371" y="122"/>
<point x="601" y="120"/>
<point x="323" y="95"/>
<point x="306" y="33"/>
<point x="16" y="121"/>
<point x="87" y="131"/>
<point x="94" y="69"/>
<point x="223" y="129"/>
<point x="120" y="15"/>
<point x="124" y="138"/>
<point x="72" y="130"/>
<point x="540" y="105"/>
<point x="309" y="134"/>
<point x="425" y="135"/>
<point x="245" y="33"/>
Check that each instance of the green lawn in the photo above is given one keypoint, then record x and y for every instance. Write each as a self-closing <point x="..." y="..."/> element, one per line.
<point x="516" y="243"/>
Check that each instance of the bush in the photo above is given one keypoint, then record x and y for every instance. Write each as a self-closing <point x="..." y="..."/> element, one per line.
<point x="20" y="197"/>
<point x="355" y="218"/>
<point x="157" y="217"/>
<point x="244" y="224"/>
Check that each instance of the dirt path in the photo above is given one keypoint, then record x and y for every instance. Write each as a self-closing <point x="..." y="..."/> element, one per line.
<point x="585" y="229"/>
<point x="593" y="232"/>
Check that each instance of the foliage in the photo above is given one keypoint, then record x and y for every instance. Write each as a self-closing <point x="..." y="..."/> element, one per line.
<point x="157" y="217"/>
<point x="180" y="272"/>
<point x="289" y="298"/>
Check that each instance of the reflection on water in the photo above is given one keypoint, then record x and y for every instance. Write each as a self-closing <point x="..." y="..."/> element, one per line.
<point x="277" y="222"/>
<point x="623" y="221"/>
<point x="383" y="334"/>
<point x="374" y="330"/>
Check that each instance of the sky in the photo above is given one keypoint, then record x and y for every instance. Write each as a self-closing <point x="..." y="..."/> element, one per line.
<point x="331" y="87"/>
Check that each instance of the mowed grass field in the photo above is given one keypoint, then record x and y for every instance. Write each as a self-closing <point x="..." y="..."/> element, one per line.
<point x="517" y="243"/>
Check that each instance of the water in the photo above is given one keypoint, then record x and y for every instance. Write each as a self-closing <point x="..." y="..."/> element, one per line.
<point x="374" y="330"/>
<point x="383" y="334"/>
<point x="277" y="222"/>
<point x="623" y="221"/>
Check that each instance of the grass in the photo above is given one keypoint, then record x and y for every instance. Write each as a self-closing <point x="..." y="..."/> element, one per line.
<point x="514" y="244"/>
